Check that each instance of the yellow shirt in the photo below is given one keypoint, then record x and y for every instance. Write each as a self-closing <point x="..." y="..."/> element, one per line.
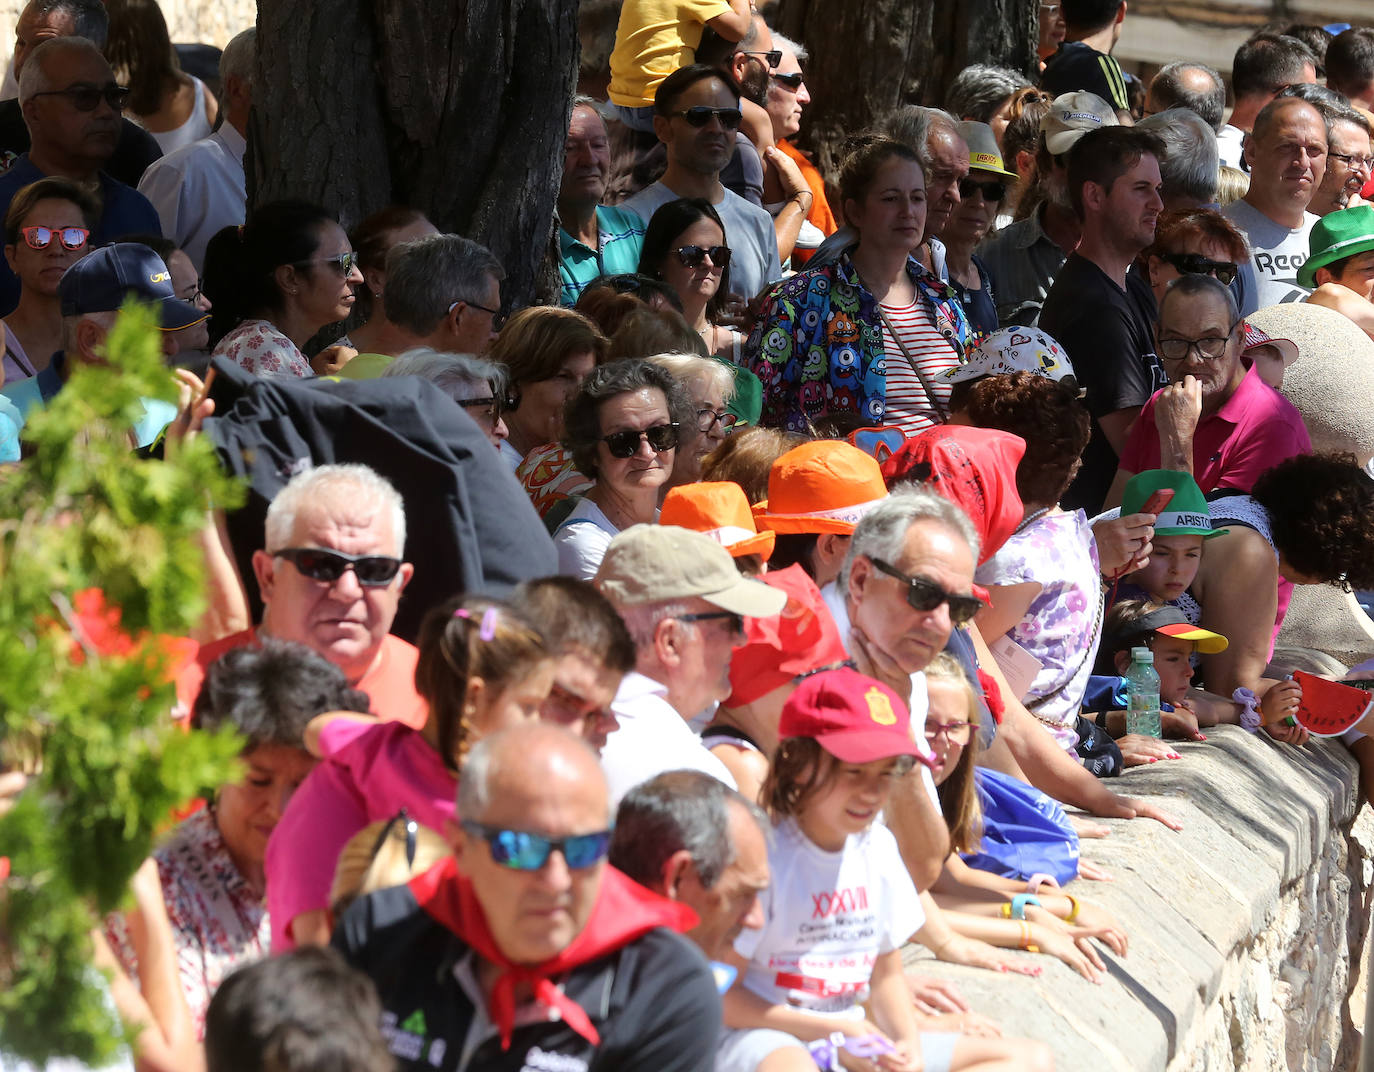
<point x="653" y="39"/>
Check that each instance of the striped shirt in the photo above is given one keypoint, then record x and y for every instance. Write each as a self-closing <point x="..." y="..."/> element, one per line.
<point x="908" y="406"/>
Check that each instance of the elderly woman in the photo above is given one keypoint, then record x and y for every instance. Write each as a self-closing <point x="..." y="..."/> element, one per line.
<point x="623" y="430"/>
<point x="477" y="385"/>
<point x="711" y="385"/>
<point x="870" y="333"/>
<point x="1197" y="242"/>
<point x="981" y="193"/>
<point x="211" y="865"/>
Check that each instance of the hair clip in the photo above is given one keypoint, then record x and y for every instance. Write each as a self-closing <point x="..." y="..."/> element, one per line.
<point x="487" y="630"/>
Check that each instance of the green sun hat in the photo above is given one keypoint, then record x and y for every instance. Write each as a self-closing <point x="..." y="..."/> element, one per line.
<point x="747" y="401"/>
<point x="1336" y="236"/>
<point x="1186" y="513"/>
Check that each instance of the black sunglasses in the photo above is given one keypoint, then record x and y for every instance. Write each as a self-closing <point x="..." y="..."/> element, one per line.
<point x="736" y="621"/>
<point x="991" y="191"/>
<point x="700" y="115"/>
<point x="1197" y="264"/>
<point x="499" y="404"/>
<point x="692" y="256"/>
<point x="792" y="81"/>
<point x="772" y="58"/>
<point x="661" y="437"/>
<point x="88" y="98"/>
<point x="372" y="571"/>
<point x="522" y="851"/>
<point x="925" y="595"/>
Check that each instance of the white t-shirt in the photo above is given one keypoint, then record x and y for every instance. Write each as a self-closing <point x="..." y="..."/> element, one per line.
<point x="1270" y="277"/>
<point x="1230" y="142"/>
<point x="582" y="540"/>
<point x="651" y="738"/>
<point x="828" y="916"/>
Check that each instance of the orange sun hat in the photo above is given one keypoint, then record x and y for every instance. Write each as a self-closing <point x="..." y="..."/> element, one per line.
<point x="823" y="486"/>
<point x="717" y="509"/>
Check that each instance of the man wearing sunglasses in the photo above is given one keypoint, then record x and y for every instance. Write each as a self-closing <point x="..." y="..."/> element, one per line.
<point x="1217" y="419"/>
<point x="525" y="950"/>
<point x="72" y="107"/>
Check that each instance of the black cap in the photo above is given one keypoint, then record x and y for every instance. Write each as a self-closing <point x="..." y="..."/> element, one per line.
<point x="101" y="281"/>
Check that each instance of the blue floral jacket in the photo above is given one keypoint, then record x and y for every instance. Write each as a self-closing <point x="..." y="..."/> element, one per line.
<point x="818" y="344"/>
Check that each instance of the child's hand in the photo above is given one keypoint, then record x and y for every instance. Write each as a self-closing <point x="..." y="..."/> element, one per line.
<point x="906" y="1059"/>
<point x="1094" y="921"/>
<point x="1279" y="703"/>
<point x="973" y="953"/>
<point x="1136" y="751"/>
<point x="935" y="996"/>
<point x="1181" y="722"/>
<point x="1078" y="954"/>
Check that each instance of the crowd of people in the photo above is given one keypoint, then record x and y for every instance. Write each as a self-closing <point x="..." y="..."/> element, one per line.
<point x="625" y="682"/>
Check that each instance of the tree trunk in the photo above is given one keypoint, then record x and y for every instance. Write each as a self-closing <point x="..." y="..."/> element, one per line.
<point x="457" y="107"/>
<point x="867" y="58"/>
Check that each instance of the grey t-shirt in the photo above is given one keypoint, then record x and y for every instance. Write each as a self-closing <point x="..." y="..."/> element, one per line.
<point x="1276" y="253"/>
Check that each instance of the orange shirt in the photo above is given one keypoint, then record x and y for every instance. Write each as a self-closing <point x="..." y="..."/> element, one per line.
<point x="820" y="215"/>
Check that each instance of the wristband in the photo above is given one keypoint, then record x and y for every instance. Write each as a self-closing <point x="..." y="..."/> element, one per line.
<point x="1016" y="909"/>
<point x="1249" y="715"/>
<point x="1073" y="909"/>
<point x="1039" y="879"/>
<point x="1026" y="943"/>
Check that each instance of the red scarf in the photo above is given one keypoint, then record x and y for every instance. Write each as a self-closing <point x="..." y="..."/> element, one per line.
<point x="624" y="911"/>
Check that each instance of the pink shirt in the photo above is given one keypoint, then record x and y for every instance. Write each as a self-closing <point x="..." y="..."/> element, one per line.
<point x="1254" y="430"/>
<point x="368" y="774"/>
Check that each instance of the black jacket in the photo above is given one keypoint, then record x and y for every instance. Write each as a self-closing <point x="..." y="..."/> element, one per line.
<point x="133" y="153"/>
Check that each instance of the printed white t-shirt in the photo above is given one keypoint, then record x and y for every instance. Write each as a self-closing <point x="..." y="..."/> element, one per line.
<point x="828" y="917"/>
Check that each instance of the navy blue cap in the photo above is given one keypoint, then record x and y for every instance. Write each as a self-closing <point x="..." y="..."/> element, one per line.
<point x="101" y="281"/>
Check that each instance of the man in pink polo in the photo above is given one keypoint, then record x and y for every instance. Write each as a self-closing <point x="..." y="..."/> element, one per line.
<point x="1217" y="419"/>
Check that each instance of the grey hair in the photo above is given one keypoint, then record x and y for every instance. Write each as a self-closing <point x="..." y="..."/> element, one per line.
<point x="796" y="48"/>
<point x="689" y="369"/>
<point x="881" y="532"/>
<point x="1334" y="107"/>
<point x="89" y="17"/>
<point x="239" y="56"/>
<point x="642" y="619"/>
<point x="454" y="374"/>
<point x="1168" y="89"/>
<point x="34" y="78"/>
<point x="1190" y="162"/>
<point x="979" y="90"/>
<point x="1192" y="286"/>
<point x="582" y="418"/>
<point x="362" y="481"/>
<point x="71" y="323"/>
<point x="914" y="126"/>
<point x="426" y="276"/>
<point x="681" y="809"/>
<point x="484" y="761"/>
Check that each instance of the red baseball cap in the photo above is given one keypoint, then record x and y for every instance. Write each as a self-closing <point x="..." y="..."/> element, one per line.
<point x="853" y="717"/>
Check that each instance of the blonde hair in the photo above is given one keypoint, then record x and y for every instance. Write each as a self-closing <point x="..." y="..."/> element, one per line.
<point x="746" y="457"/>
<point x="375" y="858"/>
<point x="1232" y="185"/>
<point x="959" y="791"/>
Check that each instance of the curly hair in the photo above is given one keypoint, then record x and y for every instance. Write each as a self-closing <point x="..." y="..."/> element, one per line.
<point x="1321" y="514"/>
<point x="582" y="420"/>
<point x="1048" y="416"/>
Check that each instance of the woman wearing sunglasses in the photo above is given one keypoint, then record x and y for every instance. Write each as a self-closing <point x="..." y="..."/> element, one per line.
<point x="1198" y="242"/>
<point x="981" y="194"/>
<point x="623" y="430"/>
<point x="275" y="283"/>
<point x="47" y="230"/>
<point x="685" y="246"/>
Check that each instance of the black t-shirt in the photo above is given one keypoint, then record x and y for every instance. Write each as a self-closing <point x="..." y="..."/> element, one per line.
<point x="135" y="151"/>
<point x="1076" y="66"/>
<point x="1108" y="334"/>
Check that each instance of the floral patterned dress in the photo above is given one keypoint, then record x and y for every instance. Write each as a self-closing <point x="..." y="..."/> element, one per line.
<point x="258" y="347"/>
<point x="1063" y="625"/>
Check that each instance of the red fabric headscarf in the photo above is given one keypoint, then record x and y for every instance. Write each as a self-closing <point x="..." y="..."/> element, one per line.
<point x="974" y="468"/>
<point x="624" y="911"/>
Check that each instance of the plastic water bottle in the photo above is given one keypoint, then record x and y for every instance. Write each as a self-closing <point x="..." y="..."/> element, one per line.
<point x="1142" y="695"/>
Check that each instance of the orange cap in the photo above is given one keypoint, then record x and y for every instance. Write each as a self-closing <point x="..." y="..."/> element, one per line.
<point x="719" y="510"/>
<point x="822" y="486"/>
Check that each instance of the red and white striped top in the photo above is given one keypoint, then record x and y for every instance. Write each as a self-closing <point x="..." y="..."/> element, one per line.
<point x="908" y="406"/>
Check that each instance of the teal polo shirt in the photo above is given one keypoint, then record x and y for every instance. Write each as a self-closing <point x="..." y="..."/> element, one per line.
<point x="622" y="237"/>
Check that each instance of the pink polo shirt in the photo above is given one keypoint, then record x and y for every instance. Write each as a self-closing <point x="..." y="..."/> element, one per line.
<point x="1254" y="430"/>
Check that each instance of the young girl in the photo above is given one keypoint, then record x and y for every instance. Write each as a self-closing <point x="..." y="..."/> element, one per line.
<point x="482" y="667"/>
<point x="841" y="904"/>
<point x="1176" y="548"/>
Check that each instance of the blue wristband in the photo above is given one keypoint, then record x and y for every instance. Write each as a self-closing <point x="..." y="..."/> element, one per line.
<point x="1019" y="902"/>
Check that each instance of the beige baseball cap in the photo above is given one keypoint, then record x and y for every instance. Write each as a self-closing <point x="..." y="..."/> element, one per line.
<point x="653" y="563"/>
<point x="1071" y="116"/>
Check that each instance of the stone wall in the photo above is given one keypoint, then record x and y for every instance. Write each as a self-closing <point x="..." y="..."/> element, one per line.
<point x="1243" y="927"/>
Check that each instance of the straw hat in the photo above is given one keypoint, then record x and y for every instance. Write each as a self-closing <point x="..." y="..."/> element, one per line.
<point x="717" y="509"/>
<point x="823" y="486"/>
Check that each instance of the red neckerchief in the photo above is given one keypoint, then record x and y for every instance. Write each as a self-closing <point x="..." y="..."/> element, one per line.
<point x="624" y="911"/>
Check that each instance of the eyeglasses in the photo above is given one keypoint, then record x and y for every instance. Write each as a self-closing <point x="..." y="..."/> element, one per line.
<point x="957" y="732"/>
<point x="344" y="263"/>
<point x="1209" y="347"/>
<point x="88" y="98"/>
<point x="522" y="851"/>
<point x="991" y="191"/>
<point x="71" y="238"/>
<point x="925" y="595"/>
<point x="792" y="81"/>
<point x="692" y="256"/>
<point x="624" y="444"/>
<point x="1355" y="163"/>
<point x="772" y="58"/>
<point x="497" y="320"/>
<point x="372" y="571"/>
<point x="736" y="621"/>
<point x="1196" y="264"/>
<point x="497" y="404"/>
<point x="709" y="418"/>
<point x="700" y="115"/>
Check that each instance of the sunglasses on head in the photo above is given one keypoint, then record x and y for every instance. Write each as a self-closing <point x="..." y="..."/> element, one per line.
<point x="1197" y="264"/>
<point x="792" y="81"/>
<point x="522" y="851"/>
<point x="925" y="595"/>
<point x="700" y="115"/>
<point x="624" y="444"/>
<point x="372" y="571"/>
<point x="71" y="238"/>
<point x="692" y="256"/>
<point x="991" y="191"/>
<point x="88" y="98"/>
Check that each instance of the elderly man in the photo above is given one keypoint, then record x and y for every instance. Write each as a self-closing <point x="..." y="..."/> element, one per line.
<point x="1350" y="66"/>
<point x="787" y="98"/>
<point x="684" y="603"/>
<point x="1194" y="86"/>
<point x="71" y="105"/>
<point x="696" y="114"/>
<point x="331" y="576"/>
<point x="1262" y="66"/>
<point x="443" y="291"/>
<point x="525" y="950"/>
<point x="44" y="19"/>
<point x="695" y="840"/>
<point x="1216" y="419"/>
<point x="1188" y="168"/>
<point x="199" y="188"/>
<point x="1100" y="312"/>
<point x="1286" y="153"/>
